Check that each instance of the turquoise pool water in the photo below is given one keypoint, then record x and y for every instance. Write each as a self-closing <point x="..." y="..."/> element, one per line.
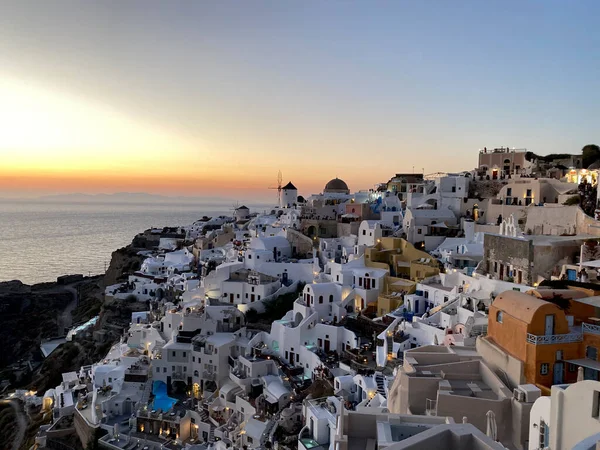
<point x="161" y="400"/>
<point x="309" y="443"/>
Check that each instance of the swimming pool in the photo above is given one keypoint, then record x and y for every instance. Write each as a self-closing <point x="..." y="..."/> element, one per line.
<point x="161" y="400"/>
<point x="309" y="443"/>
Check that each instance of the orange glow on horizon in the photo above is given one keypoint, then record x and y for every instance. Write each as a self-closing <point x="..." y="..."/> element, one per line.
<point x="58" y="142"/>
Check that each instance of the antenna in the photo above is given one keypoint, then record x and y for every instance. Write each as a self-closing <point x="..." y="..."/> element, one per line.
<point x="278" y="187"/>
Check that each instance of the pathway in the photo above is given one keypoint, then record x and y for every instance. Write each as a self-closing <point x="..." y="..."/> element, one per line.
<point x="22" y="422"/>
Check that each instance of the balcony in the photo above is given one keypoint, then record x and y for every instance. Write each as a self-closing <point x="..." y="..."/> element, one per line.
<point x="566" y="338"/>
<point x="178" y="376"/>
<point x="589" y="328"/>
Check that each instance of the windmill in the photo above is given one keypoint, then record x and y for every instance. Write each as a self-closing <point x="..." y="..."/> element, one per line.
<point x="278" y="187"/>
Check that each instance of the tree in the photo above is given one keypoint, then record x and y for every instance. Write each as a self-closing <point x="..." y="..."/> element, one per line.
<point x="590" y="154"/>
<point x="251" y="315"/>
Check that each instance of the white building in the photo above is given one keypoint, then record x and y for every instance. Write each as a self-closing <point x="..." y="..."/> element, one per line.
<point x="306" y="335"/>
<point x="289" y="195"/>
<point x="371" y="231"/>
<point x="244" y="287"/>
<point x="569" y="418"/>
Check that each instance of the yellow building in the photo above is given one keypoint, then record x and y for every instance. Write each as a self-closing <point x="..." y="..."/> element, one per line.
<point x="406" y="264"/>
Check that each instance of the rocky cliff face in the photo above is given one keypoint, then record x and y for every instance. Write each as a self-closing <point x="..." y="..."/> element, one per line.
<point x="28" y="314"/>
<point x="123" y="262"/>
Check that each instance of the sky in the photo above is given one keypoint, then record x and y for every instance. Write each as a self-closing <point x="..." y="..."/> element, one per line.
<point x="204" y="98"/>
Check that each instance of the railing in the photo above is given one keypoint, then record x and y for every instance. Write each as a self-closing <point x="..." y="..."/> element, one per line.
<point x="180" y="376"/>
<point x="554" y="338"/>
<point x="589" y="328"/>
<point x="430" y="407"/>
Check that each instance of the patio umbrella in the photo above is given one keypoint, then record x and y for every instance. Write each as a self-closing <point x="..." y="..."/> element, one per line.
<point x="580" y="374"/>
<point x="492" y="428"/>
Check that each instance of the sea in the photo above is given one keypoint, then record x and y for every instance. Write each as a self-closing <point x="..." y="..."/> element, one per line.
<point x="40" y="241"/>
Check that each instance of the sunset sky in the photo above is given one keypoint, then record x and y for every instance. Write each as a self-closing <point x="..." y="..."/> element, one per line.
<point x="203" y="98"/>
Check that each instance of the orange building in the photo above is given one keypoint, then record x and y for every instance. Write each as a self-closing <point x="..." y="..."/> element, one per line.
<point x="549" y="342"/>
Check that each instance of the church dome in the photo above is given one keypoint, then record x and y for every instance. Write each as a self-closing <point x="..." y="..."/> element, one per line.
<point x="337" y="186"/>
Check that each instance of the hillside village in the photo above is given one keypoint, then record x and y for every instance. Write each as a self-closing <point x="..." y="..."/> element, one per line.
<point x="449" y="311"/>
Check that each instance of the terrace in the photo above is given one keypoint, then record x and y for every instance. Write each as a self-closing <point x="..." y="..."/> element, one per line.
<point x="576" y="335"/>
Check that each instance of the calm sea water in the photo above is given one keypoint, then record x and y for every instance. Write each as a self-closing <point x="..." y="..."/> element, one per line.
<point x="41" y="241"/>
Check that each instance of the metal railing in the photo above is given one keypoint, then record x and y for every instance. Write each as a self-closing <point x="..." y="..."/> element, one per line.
<point x="589" y="328"/>
<point x="566" y="338"/>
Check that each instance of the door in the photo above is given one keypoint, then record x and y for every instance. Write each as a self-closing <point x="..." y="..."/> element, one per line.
<point x="571" y="274"/>
<point x="292" y="355"/>
<point x="549" y="329"/>
<point x="501" y="273"/>
<point x="558" y="373"/>
<point x="230" y="298"/>
<point x="327" y="344"/>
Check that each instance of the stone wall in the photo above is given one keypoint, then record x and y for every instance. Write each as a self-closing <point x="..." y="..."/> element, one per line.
<point x="301" y="244"/>
<point x="508" y="251"/>
<point x="561" y="220"/>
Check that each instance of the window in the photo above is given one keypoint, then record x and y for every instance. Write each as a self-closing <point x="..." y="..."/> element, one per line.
<point x="173" y="353"/>
<point x="453" y="188"/>
<point x="164" y="370"/>
<point x="185" y="368"/>
<point x="596" y="405"/>
<point x="426" y="294"/>
<point x="544" y="434"/>
<point x="158" y="370"/>
<point x="419" y="231"/>
<point x="508" y="192"/>
<point x="364" y="232"/>
<point x="499" y="317"/>
<point x="445" y="299"/>
<point x="559" y="355"/>
<point x="330" y="298"/>
<point x="544" y="368"/>
<point x="193" y="359"/>
<point x="238" y="295"/>
<point x="591" y="352"/>
<point x="184" y="354"/>
<point x="495" y="266"/>
<point x="172" y="368"/>
<point x="249" y="439"/>
<point x="528" y="193"/>
<point x="572" y="368"/>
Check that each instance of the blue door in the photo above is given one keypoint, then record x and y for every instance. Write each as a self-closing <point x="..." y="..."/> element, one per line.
<point x="571" y="274"/>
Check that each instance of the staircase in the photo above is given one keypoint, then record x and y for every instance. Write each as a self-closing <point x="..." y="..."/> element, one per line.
<point x="389" y="339"/>
<point x="146" y="394"/>
<point x="380" y="380"/>
<point x="211" y="434"/>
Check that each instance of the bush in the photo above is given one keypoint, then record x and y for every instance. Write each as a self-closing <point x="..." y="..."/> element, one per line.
<point x="572" y="201"/>
<point x="251" y="315"/>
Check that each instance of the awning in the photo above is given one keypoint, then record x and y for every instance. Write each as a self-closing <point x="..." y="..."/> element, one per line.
<point x="595" y="264"/>
<point x="586" y="362"/>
